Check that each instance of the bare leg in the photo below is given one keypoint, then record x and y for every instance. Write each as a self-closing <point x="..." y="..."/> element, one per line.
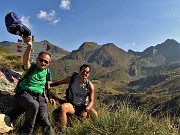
<point x="64" y="110"/>
<point x="93" y="112"/>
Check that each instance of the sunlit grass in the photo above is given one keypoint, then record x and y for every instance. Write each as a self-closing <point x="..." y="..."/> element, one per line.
<point x="9" y="60"/>
<point x="125" y="121"/>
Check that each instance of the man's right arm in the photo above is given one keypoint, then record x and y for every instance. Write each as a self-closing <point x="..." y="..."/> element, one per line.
<point x="27" y="53"/>
<point x="59" y="82"/>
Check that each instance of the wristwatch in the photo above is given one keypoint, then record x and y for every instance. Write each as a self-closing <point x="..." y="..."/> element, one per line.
<point x="86" y="109"/>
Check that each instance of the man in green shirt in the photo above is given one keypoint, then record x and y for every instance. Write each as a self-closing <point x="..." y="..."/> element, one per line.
<point x="29" y="96"/>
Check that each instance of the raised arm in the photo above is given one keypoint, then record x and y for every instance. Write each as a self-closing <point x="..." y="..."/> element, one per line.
<point x="26" y="56"/>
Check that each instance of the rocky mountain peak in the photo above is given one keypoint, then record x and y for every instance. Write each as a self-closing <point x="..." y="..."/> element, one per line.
<point x="169" y="50"/>
<point x="88" y="46"/>
<point x="45" y="41"/>
<point x="170" y="41"/>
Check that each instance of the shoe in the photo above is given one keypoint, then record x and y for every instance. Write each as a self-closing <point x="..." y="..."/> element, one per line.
<point x="5" y="124"/>
<point x="60" y="133"/>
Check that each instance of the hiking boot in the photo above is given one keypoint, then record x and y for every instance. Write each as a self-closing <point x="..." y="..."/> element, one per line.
<point x="5" y="124"/>
<point x="60" y="133"/>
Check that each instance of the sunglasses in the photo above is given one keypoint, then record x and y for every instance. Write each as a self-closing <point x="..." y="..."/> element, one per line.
<point x="84" y="71"/>
<point x="45" y="61"/>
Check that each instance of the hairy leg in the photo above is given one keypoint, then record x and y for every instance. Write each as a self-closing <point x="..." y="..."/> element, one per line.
<point x="93" y="112"/>
<point x="64" y="110"/>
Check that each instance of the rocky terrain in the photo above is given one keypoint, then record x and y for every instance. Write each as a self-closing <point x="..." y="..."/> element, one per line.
<point x="8" y="81"/>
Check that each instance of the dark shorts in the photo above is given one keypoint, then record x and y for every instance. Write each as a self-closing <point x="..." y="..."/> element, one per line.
<point x="79" y="109"/>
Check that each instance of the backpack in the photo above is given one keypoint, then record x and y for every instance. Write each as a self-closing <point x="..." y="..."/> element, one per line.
<point x="46" y="93"/>
<point x="69" y="93"/>
<point x="15" y="26"/>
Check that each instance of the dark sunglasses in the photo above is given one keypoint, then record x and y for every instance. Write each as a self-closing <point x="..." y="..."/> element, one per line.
<point x="45" y="61"/>
<point x="84" y="71"/>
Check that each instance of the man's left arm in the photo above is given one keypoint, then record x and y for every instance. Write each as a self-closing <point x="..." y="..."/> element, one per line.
<point x="91" y="97"/>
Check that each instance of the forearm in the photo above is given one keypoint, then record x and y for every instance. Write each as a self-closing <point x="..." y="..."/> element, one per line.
<point x="26" y="56"/>
<point x="90" y="105"/>
<point x="59" y="82"/>
<point x="27" y="53"/>
<point x="55" y="83"/>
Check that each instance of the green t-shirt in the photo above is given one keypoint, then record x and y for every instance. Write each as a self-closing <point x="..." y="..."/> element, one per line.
<point x="36" y="81"/>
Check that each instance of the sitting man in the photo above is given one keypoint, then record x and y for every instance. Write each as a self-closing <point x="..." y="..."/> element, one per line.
<point x="29" y="97"/>
<point x="81" y="98"/>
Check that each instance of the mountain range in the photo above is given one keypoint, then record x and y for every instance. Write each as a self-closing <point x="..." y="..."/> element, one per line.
<point x="151" y="77"/>
<point x="112" y="64"/>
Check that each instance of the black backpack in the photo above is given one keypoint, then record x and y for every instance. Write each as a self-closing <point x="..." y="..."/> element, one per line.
<point x="69" y="93"/>
<point x="15" y="26"/>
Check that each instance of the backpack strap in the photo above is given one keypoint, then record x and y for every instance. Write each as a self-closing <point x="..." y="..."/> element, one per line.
<point x="87" y="87"/>
<point x="48" y="75"/>
<point x="69" y="90"/>
<point x="46" y="92"/>
<point x="73" y="77"/>
<point x="27" y="74"/>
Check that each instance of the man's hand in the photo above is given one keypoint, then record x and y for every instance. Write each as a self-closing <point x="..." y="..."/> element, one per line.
<point x="52" y="101"/>
<point x="48" y="85"/>
<point x="28" y="40"/>
<point x="83" y="114"/>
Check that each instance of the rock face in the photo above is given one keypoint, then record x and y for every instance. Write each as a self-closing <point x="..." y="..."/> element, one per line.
<point x="8" y="81"/>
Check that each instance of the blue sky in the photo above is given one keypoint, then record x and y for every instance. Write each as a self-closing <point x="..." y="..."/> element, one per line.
<point x="129" y="24"/>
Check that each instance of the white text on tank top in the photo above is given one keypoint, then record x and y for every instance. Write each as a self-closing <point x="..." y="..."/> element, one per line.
<point x="79" y="92"/>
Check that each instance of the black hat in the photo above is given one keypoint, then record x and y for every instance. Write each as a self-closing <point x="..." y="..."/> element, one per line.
<point x="15" y="26"/>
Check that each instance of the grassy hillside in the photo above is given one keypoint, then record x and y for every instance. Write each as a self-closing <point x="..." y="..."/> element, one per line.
<point x="124" y="121"/>
<point x="9" y="60"/>
<point x="151" y="99"/>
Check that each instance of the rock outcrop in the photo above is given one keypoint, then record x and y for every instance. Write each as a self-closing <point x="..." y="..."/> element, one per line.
<point x="8" y="81"/>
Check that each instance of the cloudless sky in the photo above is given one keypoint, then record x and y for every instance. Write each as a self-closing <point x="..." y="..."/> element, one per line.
<point x="129" y="24"/>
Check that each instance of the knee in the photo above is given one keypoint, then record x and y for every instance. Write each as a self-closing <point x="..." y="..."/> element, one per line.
<point x="93" y="112"/>
<point x="34" y="106"/>
<point x="84" y="115"/>
<point x="63" y="108"/>
<point x="44" y="117"/>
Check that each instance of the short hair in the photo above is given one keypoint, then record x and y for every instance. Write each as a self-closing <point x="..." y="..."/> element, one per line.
<point x="85" y="65"/>
<point x="46" y="53"/>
